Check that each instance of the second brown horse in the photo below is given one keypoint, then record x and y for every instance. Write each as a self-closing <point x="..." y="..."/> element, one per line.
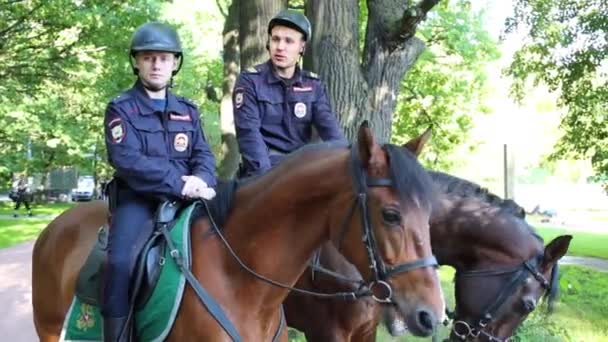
<point x="502" y="270"/>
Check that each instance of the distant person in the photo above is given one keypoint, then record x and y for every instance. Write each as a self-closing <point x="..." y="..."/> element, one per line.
<point x="21" y="195"/>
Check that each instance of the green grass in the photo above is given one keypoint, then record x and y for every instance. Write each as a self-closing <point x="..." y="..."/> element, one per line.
<point x="580" y="315"/>
<point x="16" y="231"/>
<point x="13" y="231"/>
<point x="53" y="209"/>
<point x="583" y="243"/>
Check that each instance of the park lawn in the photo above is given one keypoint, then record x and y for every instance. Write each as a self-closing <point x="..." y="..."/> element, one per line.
<point x="47" y="209"/>
<point x="16" y="231"/>
<point x="583" y="243"/>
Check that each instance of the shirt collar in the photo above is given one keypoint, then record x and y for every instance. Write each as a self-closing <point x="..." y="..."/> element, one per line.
<point x="146" y="107"/>
<point x="272" y="77"/>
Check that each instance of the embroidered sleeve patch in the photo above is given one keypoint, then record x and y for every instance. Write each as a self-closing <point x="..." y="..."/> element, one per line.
<point x="239" y="97"/>
<point x="117" y="130"/>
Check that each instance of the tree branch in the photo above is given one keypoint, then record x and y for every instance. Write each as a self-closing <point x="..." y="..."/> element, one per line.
<point x="19" y="21"/>
<point x="222" y="10"/>
<point x="413" y="16"/>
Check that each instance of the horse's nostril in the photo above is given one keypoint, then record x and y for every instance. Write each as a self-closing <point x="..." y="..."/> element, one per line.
<point x="529" y="304"/>
<point x="426" y="320"/>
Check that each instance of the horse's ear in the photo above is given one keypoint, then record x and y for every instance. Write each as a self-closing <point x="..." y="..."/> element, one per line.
<point x="365" y="143"/>
<point x="415" y="145"/>
<point x="556" y="249"/>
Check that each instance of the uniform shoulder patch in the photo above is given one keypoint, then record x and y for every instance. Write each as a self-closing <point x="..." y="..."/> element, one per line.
<point x="311" y="74"/>
<point x="187" y="101"/>
<point x="116" y="130"/>
<point x="121" y="98"/>
<point x="252" y="70"/>
<point x="239" y="97"/>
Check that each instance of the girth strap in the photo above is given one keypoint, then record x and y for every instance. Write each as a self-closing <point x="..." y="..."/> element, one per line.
<point x="212" y="306"/>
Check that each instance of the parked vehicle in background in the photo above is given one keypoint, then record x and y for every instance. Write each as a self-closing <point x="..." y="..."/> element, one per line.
<point x="85" y="190"/>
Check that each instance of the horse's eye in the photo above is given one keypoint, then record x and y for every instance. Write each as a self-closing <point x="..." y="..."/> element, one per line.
<point x="391" y="217"/>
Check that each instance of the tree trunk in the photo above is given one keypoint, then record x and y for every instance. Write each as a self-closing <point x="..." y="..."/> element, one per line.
<point x="230" y="149"/>
<point x="253" y="25"/>
<point x="365" y="90"/>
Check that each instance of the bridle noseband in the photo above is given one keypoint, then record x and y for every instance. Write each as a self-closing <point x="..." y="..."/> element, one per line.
<point x="463" y="329"/>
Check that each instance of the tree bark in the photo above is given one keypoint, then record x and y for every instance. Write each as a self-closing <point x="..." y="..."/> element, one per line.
<point x="253" y="23"/>
<point x="230" y="149"/>
<point x="365" y="86"/>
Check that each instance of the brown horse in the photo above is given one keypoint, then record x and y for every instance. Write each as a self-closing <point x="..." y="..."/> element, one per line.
<point x="502" y="271"/>
<point x="321" y="193"/>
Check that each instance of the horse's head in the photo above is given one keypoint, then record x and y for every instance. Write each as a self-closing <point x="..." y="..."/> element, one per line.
<point x="393" y="198"/>
<point x="492" y="303"/>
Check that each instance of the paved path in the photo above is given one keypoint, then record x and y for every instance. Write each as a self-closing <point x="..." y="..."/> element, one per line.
<point x="595" y="263"/>
<point x="16" y="323"/>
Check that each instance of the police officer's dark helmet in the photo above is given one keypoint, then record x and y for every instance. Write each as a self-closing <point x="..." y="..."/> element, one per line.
<point x="155" y="36"/>
<point x="292" y="19"/>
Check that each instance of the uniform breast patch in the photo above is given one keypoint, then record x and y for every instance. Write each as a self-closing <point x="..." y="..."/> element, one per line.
<point x="299" y="110"/>
<point x="117" y="130"/>
<point x="180" y="144"/>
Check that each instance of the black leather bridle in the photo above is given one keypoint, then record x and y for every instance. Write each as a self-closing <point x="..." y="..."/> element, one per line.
<point x="463" y="329"/>
<point x="381" y="272"/>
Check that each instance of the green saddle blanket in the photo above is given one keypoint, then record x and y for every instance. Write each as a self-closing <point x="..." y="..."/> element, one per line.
<point x="153" y="320"/>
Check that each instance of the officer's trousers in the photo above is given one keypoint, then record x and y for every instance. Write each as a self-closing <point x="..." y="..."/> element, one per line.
<point x="131" y="225"/>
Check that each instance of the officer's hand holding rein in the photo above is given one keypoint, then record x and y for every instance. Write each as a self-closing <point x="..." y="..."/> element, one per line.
<point x="196" y="188"/>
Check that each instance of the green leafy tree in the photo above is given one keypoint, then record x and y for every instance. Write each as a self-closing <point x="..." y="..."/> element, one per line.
<point x="447" y="85"/>
<point x="566" y="47"/>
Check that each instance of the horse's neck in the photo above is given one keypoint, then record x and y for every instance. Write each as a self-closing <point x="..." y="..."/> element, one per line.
<point x="468" y="233"/>
<point x="278" y="222"/>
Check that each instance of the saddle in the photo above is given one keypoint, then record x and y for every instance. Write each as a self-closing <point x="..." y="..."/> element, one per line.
<point x="147" y="267"/>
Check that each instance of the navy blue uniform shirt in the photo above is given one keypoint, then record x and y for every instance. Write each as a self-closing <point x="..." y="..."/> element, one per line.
<point x="274" y="116"/>
<point x="152" y="149"/>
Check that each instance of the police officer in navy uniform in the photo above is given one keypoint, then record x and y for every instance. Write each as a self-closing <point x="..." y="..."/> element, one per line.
<point x="276" y="104"/>
<point x="156" y="145"/>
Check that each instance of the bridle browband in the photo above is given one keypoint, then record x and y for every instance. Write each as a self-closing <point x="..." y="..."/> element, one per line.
<point x="463" y="329"/>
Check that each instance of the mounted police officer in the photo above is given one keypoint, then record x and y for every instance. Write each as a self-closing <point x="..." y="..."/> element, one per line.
<point x="156" y="145"/>
<point x="276" y="104"/>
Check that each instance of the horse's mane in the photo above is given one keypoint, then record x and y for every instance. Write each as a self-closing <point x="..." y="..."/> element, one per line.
<point x="410" y="178"/>
<point x="220" y="205"/>
<point x="453" y="185"/>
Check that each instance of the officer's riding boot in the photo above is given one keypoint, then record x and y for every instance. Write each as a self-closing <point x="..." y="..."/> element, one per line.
<point x="114" y="329"/>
